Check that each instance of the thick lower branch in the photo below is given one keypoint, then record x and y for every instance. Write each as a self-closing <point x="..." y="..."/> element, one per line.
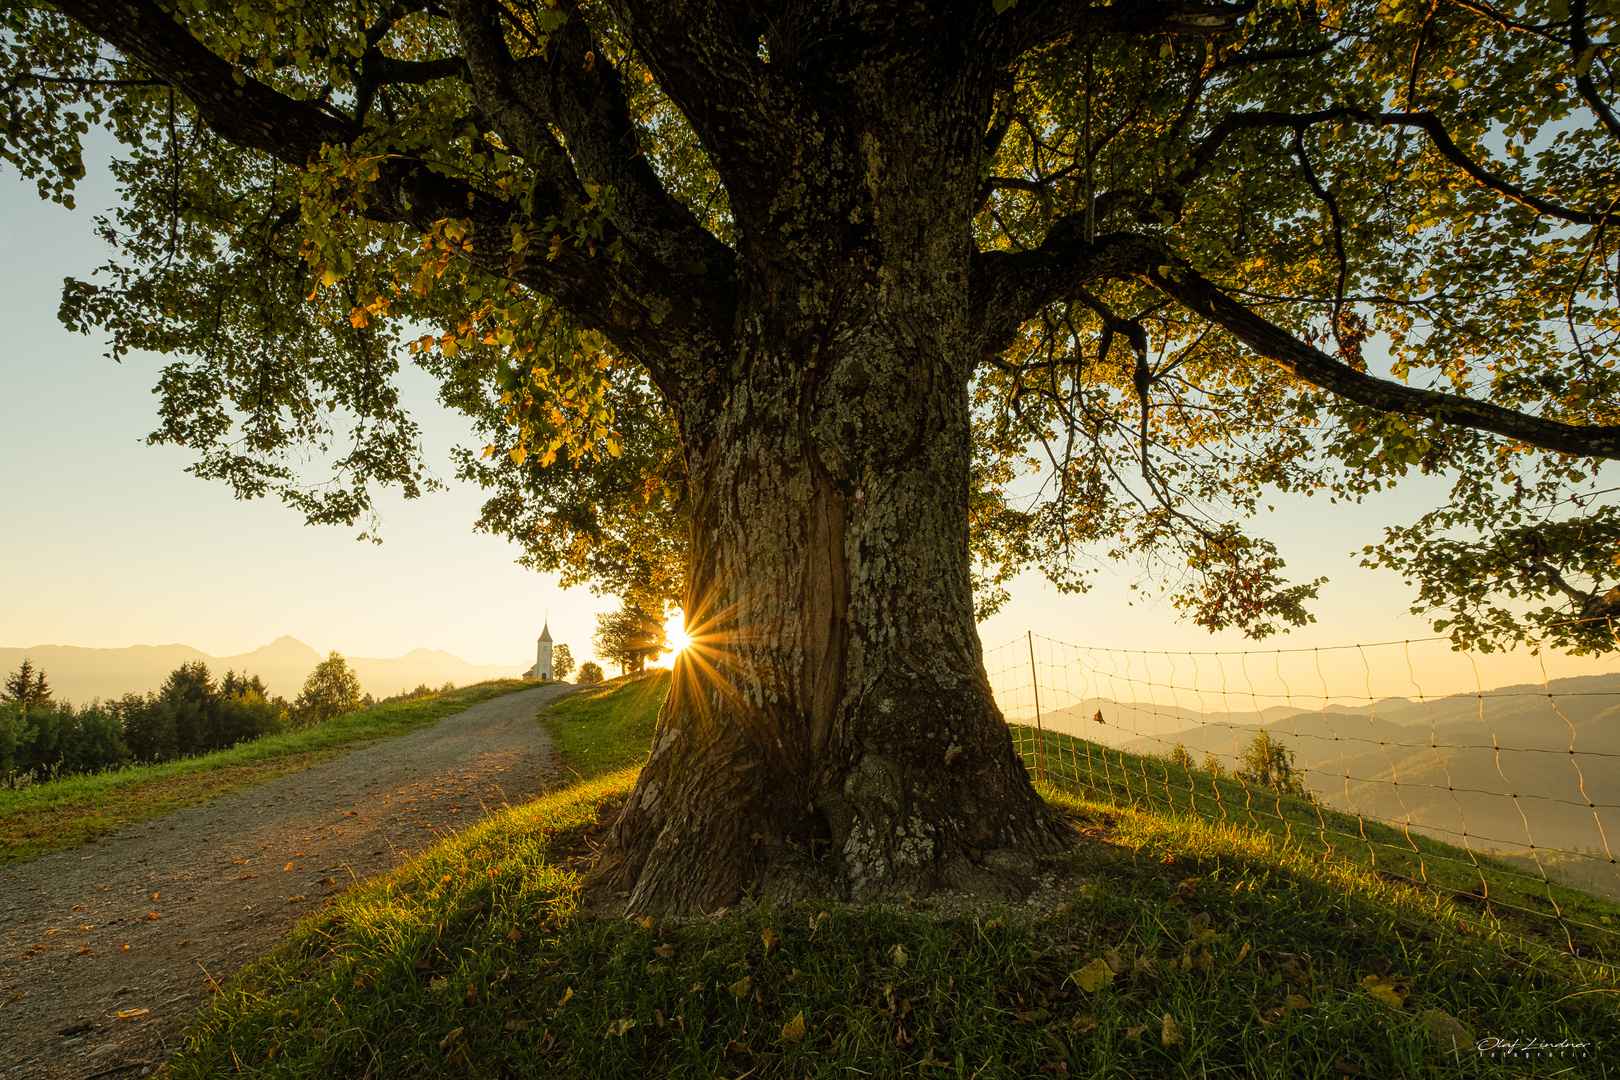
<point x="246" y="113"/>
<point x="1181" y="283"/>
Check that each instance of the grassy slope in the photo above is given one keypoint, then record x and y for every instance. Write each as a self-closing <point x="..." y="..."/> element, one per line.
<point x="603" y="728"/>
<point x="68" y="812"/>
<point x="1495" y="892"/>
<point x="473" y="961"/>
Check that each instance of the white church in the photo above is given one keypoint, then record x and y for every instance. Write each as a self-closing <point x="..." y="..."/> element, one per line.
<point x="542" y="655"/>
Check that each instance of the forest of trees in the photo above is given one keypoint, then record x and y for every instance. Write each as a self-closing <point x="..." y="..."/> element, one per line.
<point x="191" y="713"/>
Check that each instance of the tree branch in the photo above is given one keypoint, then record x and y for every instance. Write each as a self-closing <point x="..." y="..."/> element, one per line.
<point x="1584" y="53"/>
<point x="1040" y="22"/>
<point x="245" y="113"/>
<point x="1009" y="288"/>
<point x="576" y="90"/>
<point x="671" y="312"/>
<point x="1180" y="282"/>
<point x="1210" y="145"/>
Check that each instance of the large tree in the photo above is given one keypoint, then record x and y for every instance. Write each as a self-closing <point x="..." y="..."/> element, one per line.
<point x="785" y="301"/>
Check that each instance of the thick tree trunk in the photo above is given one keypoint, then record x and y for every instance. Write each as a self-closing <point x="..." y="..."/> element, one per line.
<point x="832" y="730"/>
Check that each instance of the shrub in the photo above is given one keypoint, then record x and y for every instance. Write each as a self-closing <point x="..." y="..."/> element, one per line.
<point x="1268" y="763"/>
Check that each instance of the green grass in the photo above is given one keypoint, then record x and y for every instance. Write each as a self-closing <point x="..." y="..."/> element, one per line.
<point x="1269" y="959"/>
<point x="601" y="729"/>
<point x="72" y="811"/>
<point x="1488" y="891"/>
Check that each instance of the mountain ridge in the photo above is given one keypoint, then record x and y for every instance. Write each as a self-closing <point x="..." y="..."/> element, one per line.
<point x="81" y="673"/>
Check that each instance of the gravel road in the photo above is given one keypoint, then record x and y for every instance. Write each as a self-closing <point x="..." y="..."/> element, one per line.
<point x="107" y="949"/>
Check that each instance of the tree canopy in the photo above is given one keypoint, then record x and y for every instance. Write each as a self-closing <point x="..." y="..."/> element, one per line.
<point x="1219" y="252"/>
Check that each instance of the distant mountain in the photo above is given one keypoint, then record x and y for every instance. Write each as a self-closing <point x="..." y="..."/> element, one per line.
<point x="79" y="674"/>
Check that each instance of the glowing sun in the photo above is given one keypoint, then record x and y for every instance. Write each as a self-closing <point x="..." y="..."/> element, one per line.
<point x="675" y="632"/>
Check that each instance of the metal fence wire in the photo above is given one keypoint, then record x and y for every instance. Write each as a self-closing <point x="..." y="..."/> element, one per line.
<point x="1500" y="801"/>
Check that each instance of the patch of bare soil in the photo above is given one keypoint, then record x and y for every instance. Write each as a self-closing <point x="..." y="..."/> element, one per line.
<point x="106" y="950"/>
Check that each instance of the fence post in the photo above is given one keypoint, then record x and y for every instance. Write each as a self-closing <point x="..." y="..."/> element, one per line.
<point x="1040" y="735"/>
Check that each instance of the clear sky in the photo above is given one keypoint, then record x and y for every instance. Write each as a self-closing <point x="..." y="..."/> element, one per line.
<point x="107" y="543"/>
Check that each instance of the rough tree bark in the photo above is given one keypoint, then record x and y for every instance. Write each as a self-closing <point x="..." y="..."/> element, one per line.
<point x="832" y="730"/>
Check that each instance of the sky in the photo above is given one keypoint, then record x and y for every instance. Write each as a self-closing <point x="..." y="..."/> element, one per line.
<point x="106" y="542"/>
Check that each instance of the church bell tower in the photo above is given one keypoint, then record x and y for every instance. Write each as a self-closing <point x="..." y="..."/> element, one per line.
<point x="542" y="654"/>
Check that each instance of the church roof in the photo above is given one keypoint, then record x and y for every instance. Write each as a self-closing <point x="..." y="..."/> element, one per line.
<point x="545" y="631"/>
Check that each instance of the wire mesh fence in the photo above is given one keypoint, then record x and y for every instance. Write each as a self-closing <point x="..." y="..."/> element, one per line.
<point x="1503" y="801"/>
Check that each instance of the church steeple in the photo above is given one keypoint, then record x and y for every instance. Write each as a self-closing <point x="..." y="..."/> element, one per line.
<point x="542" y="654"/>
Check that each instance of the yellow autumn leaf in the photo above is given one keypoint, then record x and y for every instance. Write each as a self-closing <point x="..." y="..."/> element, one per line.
<point x="1093" y="977"/>
<point x="450" y="1040"/>
<point x="771" y="939"/>
<point x="1385" y="991"/>
<point x="619" y="1027"/>
<point x="1170" y="1034"/>
<point x="1297" y="1002"/>
<point x="793" y="1030"/>
<point x="359" y="319"/>
<point x="897" y="955"/>
<point x="518" y="453"/>
<point x="667" y="951"/>
<point x="741" y="987"/>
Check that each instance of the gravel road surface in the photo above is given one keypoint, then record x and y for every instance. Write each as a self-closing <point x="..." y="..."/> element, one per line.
<point x="107" y="949"/>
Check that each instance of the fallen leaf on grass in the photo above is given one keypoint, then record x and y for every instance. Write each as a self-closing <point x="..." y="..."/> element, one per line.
<point x="1054" y="1068"/>
<point x="1297" y="1003"/>
<point x="742" y="986"/>
<point x="793" y="1030"/>
<point x="1385" y="990"/>
<point x="619" y="1027"/>
<point x="1242" y="953"/>
<point x="450" y="1040"/>
<point x="1093" y="977"/>
<point x="515" y="1024"/>
<point x="1135" y="1032"/>
<point x="771" y="939"/>
<point x="666" y="951"/>
<point x="438" y="984"/>
<point x="1447" y="1032"/>
<point x="897" y="955"/>
<point x="1115" y="962"/>
<point x="733" y="1048"/>
<point x="132" y="1014"/>
<point x="1081" y="1025"/>
<point x="1170" y="1034"/>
